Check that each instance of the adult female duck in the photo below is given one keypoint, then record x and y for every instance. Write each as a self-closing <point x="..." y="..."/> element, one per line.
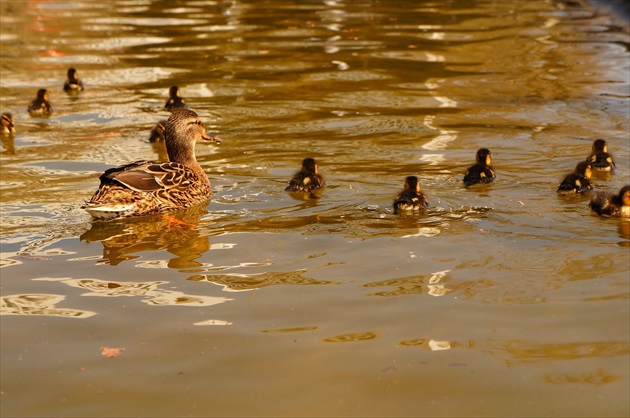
<point x="147" y="187"/>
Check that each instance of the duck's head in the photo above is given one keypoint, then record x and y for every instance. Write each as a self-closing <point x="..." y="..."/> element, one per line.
<point x="183" y="130"/>
<point x="173" y="92"/>
<point x="72" y="73"/>
<point x="309" y="165"/>
<point x="584" y="168"/>
<point x="7" y="121"/>
<point x="412" y="183"/>
<point x="42" y="95"/>
<point x="624" y="195"/>
<point x="484" y="156"/>
<point x="600" y="146"/>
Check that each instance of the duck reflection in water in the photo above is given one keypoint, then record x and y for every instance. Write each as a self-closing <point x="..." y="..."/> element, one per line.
<point x="8" y="144"/>
<point x="177" y="233"/>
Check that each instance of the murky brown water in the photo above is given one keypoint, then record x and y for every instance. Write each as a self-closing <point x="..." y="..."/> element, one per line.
<point x="500" y="300"/>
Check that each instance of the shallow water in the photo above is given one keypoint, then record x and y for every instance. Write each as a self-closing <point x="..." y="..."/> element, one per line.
<point x="502" y="299"/>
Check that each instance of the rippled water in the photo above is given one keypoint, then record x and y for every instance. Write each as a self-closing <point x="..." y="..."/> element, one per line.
<point x="503" y="299"/>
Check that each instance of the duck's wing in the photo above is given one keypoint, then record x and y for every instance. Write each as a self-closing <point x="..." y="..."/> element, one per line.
<point x="147" y="176"/>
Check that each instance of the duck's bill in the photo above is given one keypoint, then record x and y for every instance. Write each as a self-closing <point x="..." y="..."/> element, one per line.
<point x="209" y="137"/>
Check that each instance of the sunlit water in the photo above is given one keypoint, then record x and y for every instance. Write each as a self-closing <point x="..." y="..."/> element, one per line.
<point x="504" y="299"/>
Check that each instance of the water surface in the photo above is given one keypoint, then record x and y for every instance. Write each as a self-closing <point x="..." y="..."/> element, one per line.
<point x="503" y="299"/>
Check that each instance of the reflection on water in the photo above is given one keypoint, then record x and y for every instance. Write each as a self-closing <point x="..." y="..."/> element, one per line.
<point x="177" y="233"/>
<point x="242" y="282"/>
<point x="39" y="304"/>
<point x="150" y="291"/>
<point x="352" y="337"/>
<point x="596" y="378"/>
<point x="430" y="344"/>
<point x="507" y="281"/>
<point x="522" y="351"/>
<point x="8" y="145"/>
<point x="434" y="285"/>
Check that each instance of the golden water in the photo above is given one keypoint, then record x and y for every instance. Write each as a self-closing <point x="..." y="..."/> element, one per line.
<point x="503" y="299"/>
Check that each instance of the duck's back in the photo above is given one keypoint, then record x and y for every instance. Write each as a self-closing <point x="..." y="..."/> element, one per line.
<point x="409" y="200"/>
<point x="146" y="187"/>
<point x="602" y="161"/>
<point x="305" y="182"/>
<point x="478" y="173"/>
<point x="575" y="183"/>
<point x="606" y="203"/>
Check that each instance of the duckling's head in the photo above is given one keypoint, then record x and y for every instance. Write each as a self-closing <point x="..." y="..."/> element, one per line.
<point x="309" y="165"/>
<point x="7" y="120"/>
<point x="183" y="130"/>
<point x="412" y="183"/>
<point x="584" y="168"/>
<point x="624" y="195"/>
<point x="42" y="95"/>
<point x="600" y="146"/>
<point x="72" y="74"/>
<point x="484" y="156"/>
<point x="173" y="92"/>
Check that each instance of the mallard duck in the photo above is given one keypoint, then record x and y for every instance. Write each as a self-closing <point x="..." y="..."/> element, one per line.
<point x="599" y="157"/>
<point x="411" y="197"/>
<point x="606" y="203"/>
<point x="481" y="172"/>
<point x="157" y="133"/>
<point x="579" y="181"/>
<point x="146" y="187"/>
<point x="7" y="126"/>
<point x="73" y="84"/>
<point x="174" y="101"/>
<point x="40" y="106"/>
<point x="307" y="178"/>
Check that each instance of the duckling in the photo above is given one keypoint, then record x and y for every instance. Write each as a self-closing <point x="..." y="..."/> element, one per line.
<point x="7" y="126"/>
<point x="174" y="101"/>
<point x="606" y="203"/>
<point x="481" y="172"/>
<point x="157" y="133"/>
<point x="579" y="181"/>
<point x="307" y="178"/>
<point x="599" y="157"/>
<point x="73" y="84"/>
<point x="40" y="106"/>
<point x="411" y="197"/>
<point x="148" y="187"/>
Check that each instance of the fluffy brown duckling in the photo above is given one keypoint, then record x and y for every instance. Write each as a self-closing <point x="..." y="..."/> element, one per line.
<point x="411" y="197"/>
<point x="148" y="187"/>
<point x="606" y="203"/>
<point x="7" y="125"/>
<point x="40" y="105"/>
<point x="73" y="85"/>
<point x="175" y="100"/>
<point x="157" y="133"/>
<point x="307" y="178"/>
<point x="599" y="157"/>
<point x="579" y="181"/>
<point x="482" y="171"/>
